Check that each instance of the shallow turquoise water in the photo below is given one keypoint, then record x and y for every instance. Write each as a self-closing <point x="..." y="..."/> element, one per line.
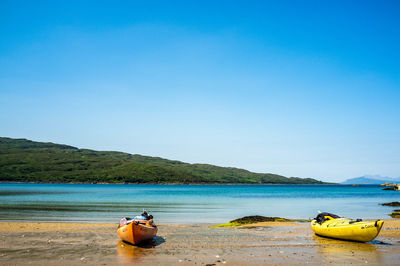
<point x="188" y="203"/>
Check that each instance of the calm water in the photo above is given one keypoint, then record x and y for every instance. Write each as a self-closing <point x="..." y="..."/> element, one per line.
<point x="188" y="203"/>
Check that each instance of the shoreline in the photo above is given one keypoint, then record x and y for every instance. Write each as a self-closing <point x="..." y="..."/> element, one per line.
<point x="199" y="184"/>
<point x="52" y="243"/>
<point x="389" y="219"/>
<point x="293" y="222"/>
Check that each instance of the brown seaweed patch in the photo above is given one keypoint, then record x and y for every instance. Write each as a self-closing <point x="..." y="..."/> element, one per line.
<point x="395" y="214"/>
<point x="258" y="219"/>
<point x="395" y="203"/>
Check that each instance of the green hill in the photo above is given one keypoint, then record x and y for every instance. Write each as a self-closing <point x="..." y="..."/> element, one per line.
<point x="23" y="160"/>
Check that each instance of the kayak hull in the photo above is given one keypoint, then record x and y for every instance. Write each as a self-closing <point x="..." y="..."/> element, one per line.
<point x="347" y="229"/>
<point x="137" y="232"/>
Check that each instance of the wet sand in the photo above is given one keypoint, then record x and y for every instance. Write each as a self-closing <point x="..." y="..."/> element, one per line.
<point x="263" y="243"/>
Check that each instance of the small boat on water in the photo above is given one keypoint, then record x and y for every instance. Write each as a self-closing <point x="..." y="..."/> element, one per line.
<point x="333" y="226"/>
<point x="138" y="229"/>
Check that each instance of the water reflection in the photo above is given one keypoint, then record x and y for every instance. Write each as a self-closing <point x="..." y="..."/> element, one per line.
<point x="334" y="250"/>
<point x="128" y="253"/>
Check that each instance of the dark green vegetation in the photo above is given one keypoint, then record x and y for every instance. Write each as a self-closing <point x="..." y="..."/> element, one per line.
<point x="23" y="160"/>
<point x="257" y="219"/>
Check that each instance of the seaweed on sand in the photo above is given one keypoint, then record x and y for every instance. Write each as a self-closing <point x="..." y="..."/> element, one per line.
<point x="257" y="219"/>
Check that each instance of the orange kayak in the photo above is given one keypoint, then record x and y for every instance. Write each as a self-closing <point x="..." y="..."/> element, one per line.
<point x="137" y="231"/>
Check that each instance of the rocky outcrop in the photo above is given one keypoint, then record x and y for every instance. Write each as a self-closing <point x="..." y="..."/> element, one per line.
<point x="395" y="214"/>
<point x="391" y="186"/>
<point x="395" y="203"/>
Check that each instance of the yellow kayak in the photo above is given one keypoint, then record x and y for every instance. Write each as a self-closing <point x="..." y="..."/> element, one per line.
<point x="330" y="225"/>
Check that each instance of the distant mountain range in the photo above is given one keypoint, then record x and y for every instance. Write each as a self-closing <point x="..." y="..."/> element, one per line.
<point x="371" y="180"/>
<point x="22" y="160"/>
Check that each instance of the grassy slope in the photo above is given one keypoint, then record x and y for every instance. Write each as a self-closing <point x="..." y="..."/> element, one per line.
<point x="28" y="161"/>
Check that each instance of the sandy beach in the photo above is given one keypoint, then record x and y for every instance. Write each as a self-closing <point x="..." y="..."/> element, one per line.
<point x="262" y="243"/>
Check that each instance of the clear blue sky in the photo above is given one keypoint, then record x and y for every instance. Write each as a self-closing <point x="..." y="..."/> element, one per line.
<point x="298" y="88"/>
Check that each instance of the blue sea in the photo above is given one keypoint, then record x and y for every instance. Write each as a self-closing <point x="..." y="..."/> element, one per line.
<point x="185" y="204"/>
